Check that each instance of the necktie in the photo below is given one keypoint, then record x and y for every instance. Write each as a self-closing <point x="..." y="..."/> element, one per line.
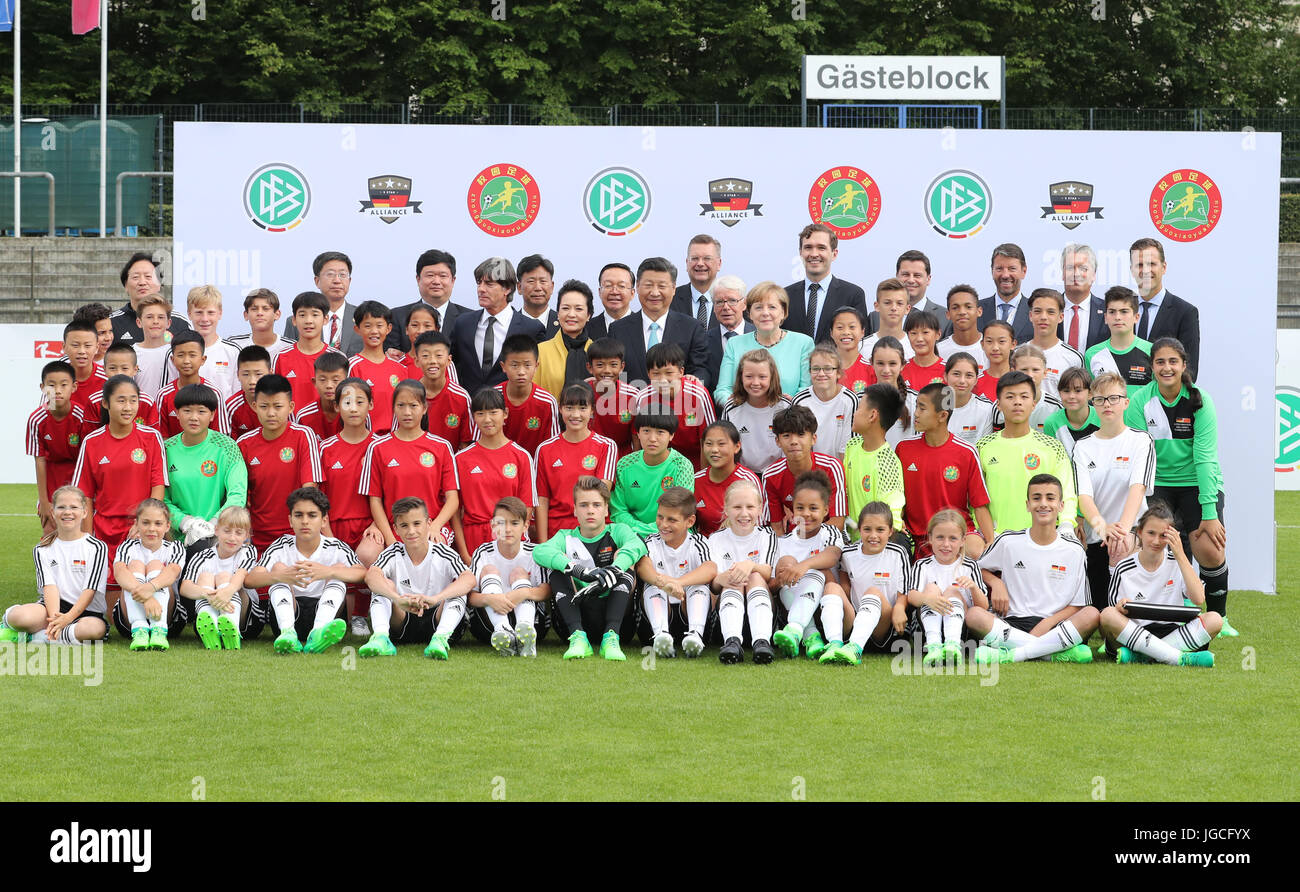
<point x="812" y="306"/>
<point x="489" y="348"/>
<point x="1143" y="327"/>
<point x="654" y="335"/>
<point x="334" y="330"/>
<point x="702" y="314"/>
<point x="1004" y="310"/>
<point x="1074" y="328"/>
<point x="728" y="335"/>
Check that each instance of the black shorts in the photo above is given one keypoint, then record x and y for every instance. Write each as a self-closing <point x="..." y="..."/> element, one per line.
<point x="175" y="620"/>
<point x="480" y="626"/>
<point x="1185" y="503"/>
<point x="65" y="606"/>
<point x="419" y="629"/>
<point x="304" y="616"/>
<point x="1164" y="630"/>
<point x="1023" y="623"/>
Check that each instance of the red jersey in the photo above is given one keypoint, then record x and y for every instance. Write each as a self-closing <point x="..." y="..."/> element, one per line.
<point x="423" y="467"/>
<point x="987" y="386"/>
<point x="938" y="477"/>
<point x="146" y="413"/>
<point x="694" y="410"/>
<point x="118" y="475"/>
<point x="83" y="391"/>
<point x="532" y="422"/>
<point x="917" y="376"/>
<point x="341" y="463"/>
<point x="560" y="464"/>
<point x="382" y="377"/>
<point x="300" y="369"/>
<point x="490" y="475"/>
<point x="612" y="415"/>
<point x="169" y="424"/>
<point x="413" y="370"/>
<point x="240" y="415"/>
<point x="275" y="469"/>
<point x="710" y="496"/>
<point x="778" y="487"/>
<point x="447" y="415"/>
<point x="312" y="416"/>
<point x="58" y="441"/>
<point x="859" y="376"/>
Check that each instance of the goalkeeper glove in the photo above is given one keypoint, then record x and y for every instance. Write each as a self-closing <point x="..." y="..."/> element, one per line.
<point x="195" y="529"/>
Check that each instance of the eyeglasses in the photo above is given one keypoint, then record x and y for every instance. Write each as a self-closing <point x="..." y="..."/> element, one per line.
<point x="1112" y="400"/>
<point x="614" y="286"/>
<point x="337" y="277"/>
<point x="823" y="370"/>
<point x="730" y="302"/>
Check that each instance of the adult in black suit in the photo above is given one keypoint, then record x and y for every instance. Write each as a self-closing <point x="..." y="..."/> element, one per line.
<point x="728" y="319"/>
<point x="913" y="269"/>
<point x="818" y="248"/>
<point x="1079" y="272"/>
<point x="1008" y="304"/>
<point x="616" y="285"/>
<point x="1163" y="314"/>
<point x="536" y="285"/>
<point x="703" y="260"/>
<point x="656" y="279"/>
<point x="333" y="277"/>
<point x="435" y="276"/>
<point x="480" y="333"/>
<point x="141" y="277"/>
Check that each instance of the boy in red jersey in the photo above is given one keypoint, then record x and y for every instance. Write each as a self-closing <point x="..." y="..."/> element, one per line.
<point x="322" y="414"/>
<point x="54" y="434"/>
<point x="187" y="358"/>
<point x="80" y="342"/>
<point x="672" y="390"/>
<point x="281" y="457"/>
<point x="120" y="359"/>
<point x="253" y="364"/>
<point x="615" y="399"/>
<point x="373" y="321"/>
<point x="447" y="414"/>
<point x="795" y="430"/>
<point x="490" y="469"/>
<point x="298" y="363"/>
<point x="562" y="460"/>
<point x="941" y="471"/>
<point x="532" y="415"/>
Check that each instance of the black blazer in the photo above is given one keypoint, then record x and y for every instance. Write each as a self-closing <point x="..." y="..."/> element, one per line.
<point x="1096" y="330"/>
<point x="1180" y="319"/>
<point x="1023" y="328"/>
<point x="927" y="304"/>
<point x="841" y="294"/>
<point x="469" y="366"/>
<point x="684" y="302"/>
<point x="678" y="329"/>
<point x="397" y="339"/>
<point x="717" y="348"/>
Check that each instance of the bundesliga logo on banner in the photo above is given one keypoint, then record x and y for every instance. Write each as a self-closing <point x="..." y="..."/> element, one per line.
<point x="390" y="198"/>
<point x="1071" y="205"/>
<point x="729" y="202"/>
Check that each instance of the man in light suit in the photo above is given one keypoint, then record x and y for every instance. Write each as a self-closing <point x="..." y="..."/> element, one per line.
<point x="333" y="276"/>
<point x="478" y="335"/>
<point x="1085" y="313"/>
<point x="695" y="297"/>
<point x="1008" y="304"/>
<point x="655" y="323"/>
<point x="815" y="298"/>
<point x="913" y="270"/>
<point x="728" y="318"/>
<point x="1163" y="314"/>
<point x="435" y="276"/>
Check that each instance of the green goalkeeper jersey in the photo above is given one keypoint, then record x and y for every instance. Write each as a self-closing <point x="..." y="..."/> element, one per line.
<point x="615" y="546"/>
<point x="204" y="479"/>
<point x="1186" y="441"/>
<point x="638" y="486"/>
<point x="875" y="476"/>
<point x="1009" y="464"/>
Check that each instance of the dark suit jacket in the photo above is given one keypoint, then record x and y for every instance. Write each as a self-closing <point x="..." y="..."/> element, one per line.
<point x="397" y="339"/>
<point x="927" y="304"/>
<point x="469" y="366"/>
<point x="678" y="329"/>
<point x="1180" y="319"/>
<point x="1096" y="330"/>
<point x="717" y="347"/>
<point x="552" y="325"/>
<point x="840" y="294"/>
<point x="684" y="302"/>
<point x="1023" y="328"/>
<point x="349" y="341"/>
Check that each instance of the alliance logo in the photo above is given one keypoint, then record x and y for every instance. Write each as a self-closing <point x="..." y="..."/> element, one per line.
<point x="847" y="200"/>
<point x="1071" y="204"/>
<point x="504" y="200"/>
<point x="390" y="198"/>
<point x="729" y="202"/>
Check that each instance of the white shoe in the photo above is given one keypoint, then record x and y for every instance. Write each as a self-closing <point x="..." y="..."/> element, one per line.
<point x="692" y="644"/>
<point x="526" y="640"/>
<point x="664" y="645"/>
<point x="503" y="642"/>
<point x="360" y="628"/>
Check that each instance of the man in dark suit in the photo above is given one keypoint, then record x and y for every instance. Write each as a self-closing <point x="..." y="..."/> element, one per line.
<point x="1085" y="313"/>
<point x="655" y="323"/>
<point x="728" y="319"/>
<point x="536" y="285"/>
<point x="815" y="298"/>
<point x="913" y="270"/>
<point x="333" y="277"/>
<point x="616" y="285"/>
<point x="1008" y="304"/>
<point x="478" y="335"/>
<point x="1163" y="314"/>
<point x="695" y="297"/>
<point x="435" y="275"/>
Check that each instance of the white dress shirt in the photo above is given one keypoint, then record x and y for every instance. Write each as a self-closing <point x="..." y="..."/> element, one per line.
<point x="325" y="332"/>
<point x="1014" y="303"/>
<point x="1153" y="310"/>
<point x="503" y="319"/>
<point x="646" y="322"/>
<point x="825" y="286"/>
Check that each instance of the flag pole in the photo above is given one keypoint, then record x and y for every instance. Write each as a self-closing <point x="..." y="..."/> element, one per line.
<point x="18" y="119"/>
<point x="103" y="120"/>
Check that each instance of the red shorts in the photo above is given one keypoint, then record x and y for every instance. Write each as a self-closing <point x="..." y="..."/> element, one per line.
<point x="476" y="534"/>
<point x="350" y="529"/>
<point x="112" y="532"/>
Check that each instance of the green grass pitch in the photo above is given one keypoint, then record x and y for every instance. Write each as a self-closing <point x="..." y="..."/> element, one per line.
<point x="189" y="724"/>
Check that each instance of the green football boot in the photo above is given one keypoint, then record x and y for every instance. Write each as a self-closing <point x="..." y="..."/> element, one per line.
<point x="847" y="653"/>
<point x="934" y="654"/>
<point x="288" y="643"/>
<point x="609" y="648"/>
<point x="229" y="632"/>
<point x="322" y="639"/>
<point x="579" y="647"/>
<point x="952" y="652"/>
<point x="379" y="645"/>
<point x="787" y="640"/>
<point x="1227" y="631"/>
<point x="140" y="639"/>
<point x="1201" y="658"/>
<point x="814" y="645"/>
<point x="207" y="629"/>
<point x="158" y="638"/>
<point x="11" y="634"/>
<point x="985" y="655"/>
<point x="438" y="648"/>
<point x="1128" y="655"/>
<point x="1080" y="653"/>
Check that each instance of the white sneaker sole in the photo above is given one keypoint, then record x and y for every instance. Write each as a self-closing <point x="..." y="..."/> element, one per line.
<point x="503" y="643"/>
<point x="692" y="646"/>
<point x="664" y="645"/>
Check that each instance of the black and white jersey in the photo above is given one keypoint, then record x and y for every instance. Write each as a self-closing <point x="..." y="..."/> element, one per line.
<point x="1037" y="418"/>
<point x="330" y="552"/>
<point x="834" y="418"/>
<point x="209" y="561"/>
<point x="973" y="420"/>
<point x="888" y="571"/>
<point x="1163" y="585"/>
<point x="240" y="341"/>
<point x="488" y="554"/>
<point x="1107" y="469"/>
<point x="899" y="431"/>
<point x="928" y="570"/>
<point x="727" y="549"/>
<point x="72" y="566"/>
<point x="1059" y="358"/>
<point x="948" y="347"/>
<point x="757" y="442"/>
<point x="439" y="569"/>
<point x="692" y="554"/>
<point x="1040" y="579"/>
<point x="800" y="548"/>
<point x="169" y="552"/>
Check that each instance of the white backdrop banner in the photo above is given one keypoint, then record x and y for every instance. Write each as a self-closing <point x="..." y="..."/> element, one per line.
<point x="24" y="351"/>
<point x="256" y="202"/>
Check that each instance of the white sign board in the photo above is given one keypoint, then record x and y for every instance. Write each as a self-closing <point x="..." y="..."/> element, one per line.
<point x="903" y="78"/>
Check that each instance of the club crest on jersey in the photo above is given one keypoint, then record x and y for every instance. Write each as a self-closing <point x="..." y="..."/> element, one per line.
<point x="589" y="462"/>
<point x="392" y="380"/>
<point x="866" y="483"/>
<point x="510" y="471"/>
<point x="951" y="473"/>
<point x="691" y="418"/>
<point x="426" y="459"/>
<point x="452" y="420"/>
<point x="74" y="439"/>
<point x="534" y="423"/>
<point x="666" y="482"/>
<point x="137" y="456"/>
<point x="683" y="565"/>
<point x="1032" y="462"/>
<point x="286" y="454"/>
<point x="208" y="468"/>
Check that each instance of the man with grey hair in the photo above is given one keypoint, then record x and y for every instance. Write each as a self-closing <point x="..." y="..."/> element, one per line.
<point x="728" y="318"/>
<point x="476" y="337"/>
<point x="1084" y="323"/>
<point x="695" y="297"/>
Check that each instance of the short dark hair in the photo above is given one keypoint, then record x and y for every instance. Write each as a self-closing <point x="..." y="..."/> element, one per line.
<point x="519" y="343"/>
<point x="606" y="348"/>
<point x="433" y="257"/>
<point x="615" y="265"/>
<point x="532" y="262"/>
<point x="270" y="385"/>
<point x="794" y="420"/>
<point x="486" y="400"/>
<point x="1014" y="378"/>
<point x="912" y="255"/>
<point x="1118" y="294"/>
<point x="422" y="307"/>
<point x="572" y="285"/>
<point x="935" y="392"/>
<point x="513" y="506"/>
<point x="407" y="504"/>
<point x="579" y="394"/>
<point x="59" y="367"/>
<point x="311" y="300"/>
<point x="428" y="338"/>
<point x="816" y="480"/>
<point x="886" y="400"/>
<point x="251" y="353"/>
<point x="265" y="294"/>
<point x="1050" y="294"/>
<point x="1147" y="243"/>
<point x="656" y="265"/>
<point x="321" y="259"/>
<point x="995" y="324"/>
<point x="664" y="354"/>
<point x="136" y="258"/>
<point x="659" y="420"/>
<point x="498" y="270"/>
<point x="1008" y="249"/>
<point x="961" y="356"/>
<point x="818" y="227"/>
<point x="371" y="308"/>
<point x="857" y="314"/>
<point x="122" y="347"/>
<point x="189" y="336"/>
<point x="196" y="395"/>
<point x="92" y="312"/>
<point x="962" y="289"/>
<point x="922" y="319"/>
<point x="309" y="494"/>
<point x="82" y="325"/>
<point x="1045" y="480"/>
<point x="330" y="361"/>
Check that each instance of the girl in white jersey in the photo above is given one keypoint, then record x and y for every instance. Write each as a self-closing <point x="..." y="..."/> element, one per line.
<point x="806" y="556"/>
<point x="754" y="400"/>
<point x="943" y="586"/>
<point x="887" y="360"/>
<point x="147" y="567"/>
<point x="744" y="553"/>
<point x="214" y="579"/>
<point x="877" y="574"/>
<point x="832" y="403"/>
<point x="972" y="414"/>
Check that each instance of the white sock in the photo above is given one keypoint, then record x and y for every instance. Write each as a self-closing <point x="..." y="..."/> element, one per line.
<point x="491" y="584"/>
<point x="1188" y="637"/>
<point x="453" y="612"/>
<point x="135" y="614"/>
<point x="697" y="608"/>
<point x="499" y="621"/>
<point x="952" y="623"/>
<point x="39" y="637"/>
<point x="69" y="635"/>
<point x="833" y="617"/>
<point x="1004" y="635"/>
<point x="806" y="591"/>
<point x="866" y="620"/>
<point x="236" y="602"/>
<point x="731" y="613"/>
<point x="282" y="603"/>
<point x="758" y="605"/>
<point x="932" y="625"/>
<point x="152" y="575"/>
<point x="327" y="606"/>
<point x="656" y="609"/>
<point x="205" y="608"/>
<point x="381" y="614"/>
<point x="1137" y="638"/>
<point x="525" y="613"/>
<point x="5" y="618"/>
<point x="1062" y="637"/>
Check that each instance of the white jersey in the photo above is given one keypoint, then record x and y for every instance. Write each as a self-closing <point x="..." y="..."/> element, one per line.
<point x="488" y="553"/>
<point x="757" y="442"/>
<point x="898" y="432"/>
<point x="439" y="569"/>
<point x="330" y="552"/>
<point x="834" y="418"/>
<point x="169" y="552"/>
<point x="973" y="420"/>
<point x="869" y="343"/>
<point x="800" y="548"/>
<point x="1059" y="358"/>
<point x="152" y="362"/>
<point x="1106" y="469"/>
<point x="72" y="566"/>
<point x="1040" y="579"/>
<point x="928" y="570"/>
<point x="219" y="369"/>
<point x="948" y="347"/>
<point x="240" y="341"/>
<point x="1164" y="585"/>
<point x="1037" y="418"/>
<point x="688" y="557"/>
<point x="888" y="571"/>
<point x="728" y="549"/>
<point x="208" y="561"/>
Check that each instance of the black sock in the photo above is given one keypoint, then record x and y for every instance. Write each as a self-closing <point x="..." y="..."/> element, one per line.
<point x="616" y="606"/>
<point x="1215" y="580"/>
<point x="562" y="586"/>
